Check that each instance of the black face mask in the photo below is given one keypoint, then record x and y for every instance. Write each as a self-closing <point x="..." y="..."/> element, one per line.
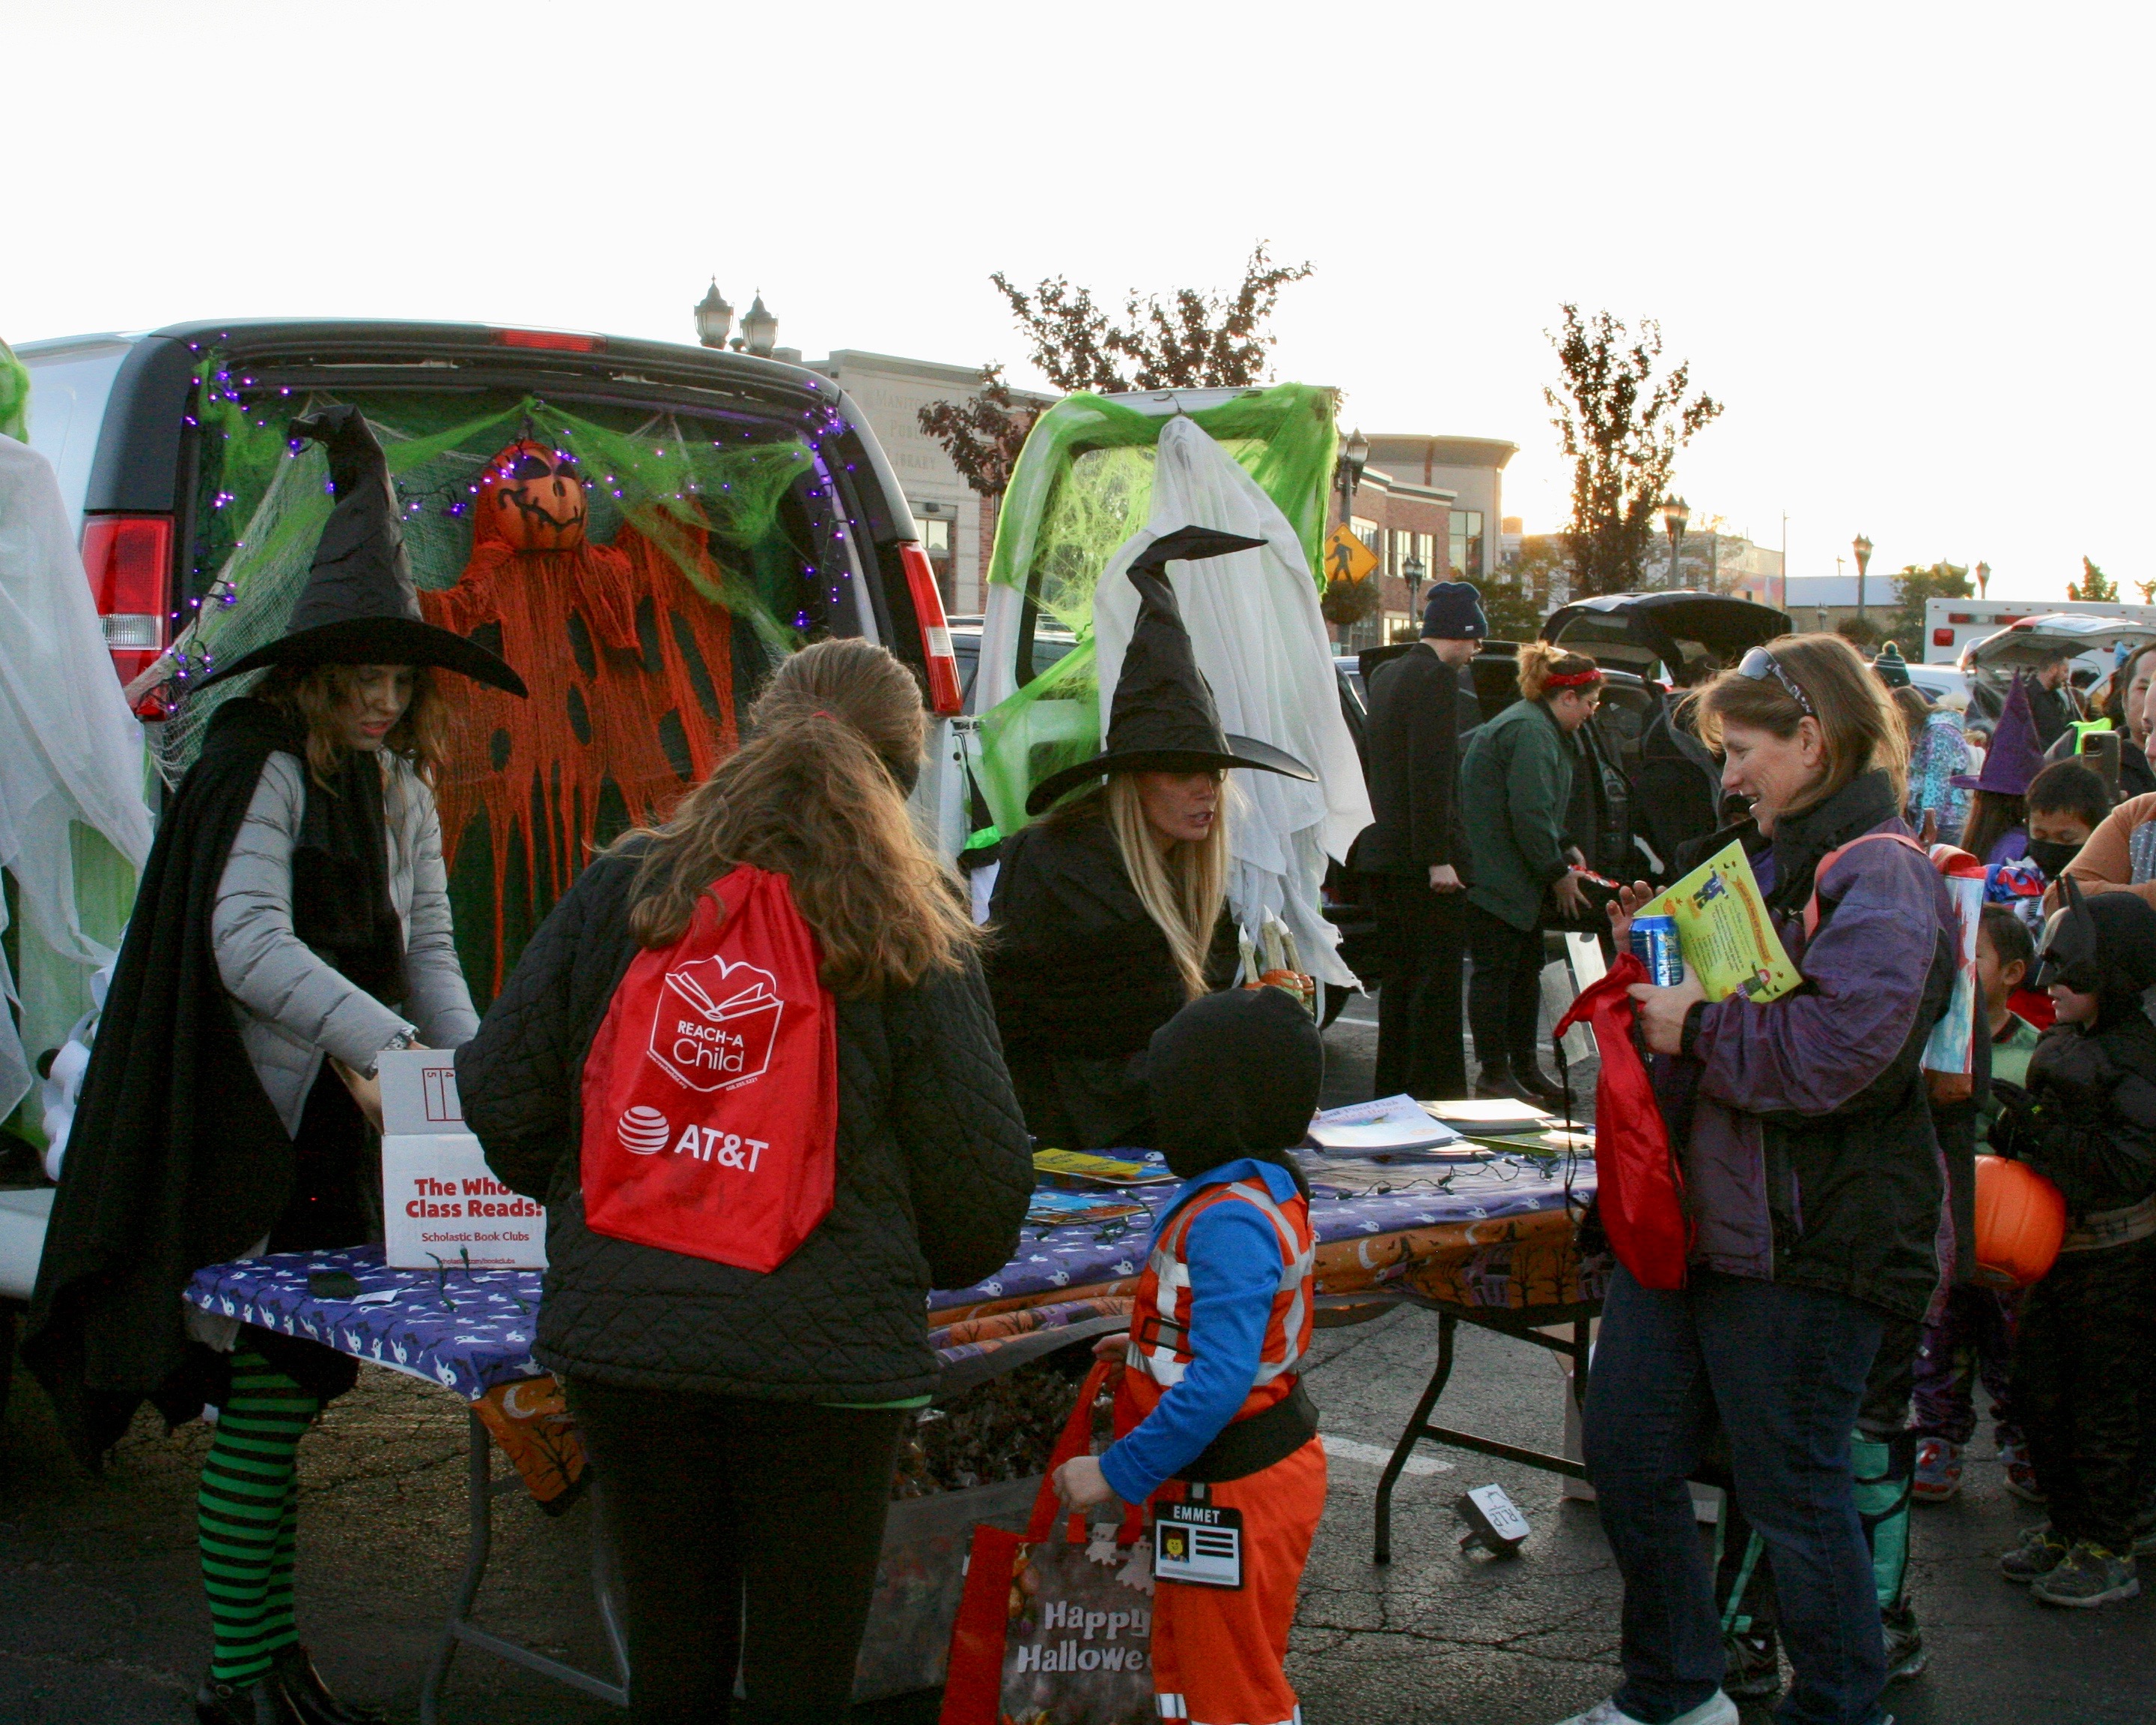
<point x="2051" y="856"/>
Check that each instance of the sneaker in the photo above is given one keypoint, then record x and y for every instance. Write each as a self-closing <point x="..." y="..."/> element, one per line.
<point x="1720" y="1710"/>
<point x="1905" y="1643"/>
<point x="1938" y="1470"/>
<point x="2089" y="1576"/>
<point x="2021" y="1474"/>
<point x="2040" y="1553"/>
<point x="1751" y="1665"/>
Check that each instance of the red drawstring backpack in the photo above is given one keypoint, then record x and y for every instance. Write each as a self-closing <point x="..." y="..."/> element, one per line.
<point x="1639" y="1192"/>
<point x="712" y="1089"/>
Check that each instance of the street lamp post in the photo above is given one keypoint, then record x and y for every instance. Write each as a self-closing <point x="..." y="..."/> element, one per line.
<point x="1862" y="547"/>
<point x="1413" y="570"/>
<point x="1347" y="475"/>
<point x="759" y="329"/>
<point x="714" y="317"/>
<point x="1983" y="578"/>
<point x="1675" y="513"/>
<point x="1354" y="457"/>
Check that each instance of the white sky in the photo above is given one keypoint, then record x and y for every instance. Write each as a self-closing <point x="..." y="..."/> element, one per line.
<point x="1906" y="245"/>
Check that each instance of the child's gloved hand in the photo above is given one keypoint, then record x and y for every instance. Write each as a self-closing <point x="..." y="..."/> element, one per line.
<point x="1079" y="1482"/>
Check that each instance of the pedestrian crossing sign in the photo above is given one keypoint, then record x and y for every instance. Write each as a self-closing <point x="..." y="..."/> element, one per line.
<point x="1346" y="559"/>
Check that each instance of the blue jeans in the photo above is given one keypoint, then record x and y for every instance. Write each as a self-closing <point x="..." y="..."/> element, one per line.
<point x="1784" y="1368"/>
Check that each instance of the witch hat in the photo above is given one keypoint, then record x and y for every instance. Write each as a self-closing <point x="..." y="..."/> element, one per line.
<point x="2015" y="757"/>
<point x="359" y="606"/>
<point x="1163" y="719"/>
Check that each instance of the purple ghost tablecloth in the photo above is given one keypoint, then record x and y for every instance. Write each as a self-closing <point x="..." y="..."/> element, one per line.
<point x="470" y="1330"/>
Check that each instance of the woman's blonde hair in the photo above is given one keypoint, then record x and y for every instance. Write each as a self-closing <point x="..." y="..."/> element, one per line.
<point x="1180" y="882"/>
<point x="319" y="695"/>
<point x="1861" y="728"/>
<point x="814" y="795"/>
<point x="1539" y="661"/>
<point x="1915" y="710"/>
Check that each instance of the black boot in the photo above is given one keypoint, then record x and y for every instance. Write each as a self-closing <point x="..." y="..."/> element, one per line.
<point x="310" y="1696"/>
<point x="1529" y="1076"/>
<point x="1496" y="1080"/>
<point x="263" y="1702"/>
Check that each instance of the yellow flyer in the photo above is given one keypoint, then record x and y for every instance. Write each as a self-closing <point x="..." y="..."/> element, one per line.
<point x="1724" y="932"/>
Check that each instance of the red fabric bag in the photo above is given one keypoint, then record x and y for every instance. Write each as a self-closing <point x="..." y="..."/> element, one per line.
<point x="1053" y="1629"/>
<point x="712" y="1089"/>
<point x="1639" y="1192"/>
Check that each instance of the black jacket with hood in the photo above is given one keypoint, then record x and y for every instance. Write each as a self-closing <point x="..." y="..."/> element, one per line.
<point x="934" y="1175"/>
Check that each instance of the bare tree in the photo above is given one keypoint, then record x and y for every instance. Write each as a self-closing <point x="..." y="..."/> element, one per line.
<point x="1187" y="339"/>
<point x="1621" y="427"/>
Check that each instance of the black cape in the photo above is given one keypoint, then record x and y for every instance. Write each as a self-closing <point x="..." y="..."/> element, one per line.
<point x="176" y="1157"/>
<point x="1081" y="976"/>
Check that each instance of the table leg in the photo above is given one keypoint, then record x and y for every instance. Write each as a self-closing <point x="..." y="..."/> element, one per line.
<point x="479" y="1474"/>
<point x="606" y="1585"/>
<point x="1446" y="1323"/>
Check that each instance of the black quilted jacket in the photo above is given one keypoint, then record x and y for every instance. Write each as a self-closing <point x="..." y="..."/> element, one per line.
<point x="934" y="1175"/>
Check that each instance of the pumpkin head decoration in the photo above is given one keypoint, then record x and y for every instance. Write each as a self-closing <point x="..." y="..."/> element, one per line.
<point x="2021" y="1223"/>
<point x="532" y="498"/>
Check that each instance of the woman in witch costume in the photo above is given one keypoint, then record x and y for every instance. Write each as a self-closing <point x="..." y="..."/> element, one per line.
<point x="1108" y="914"/>
<point x="292" y="925"/>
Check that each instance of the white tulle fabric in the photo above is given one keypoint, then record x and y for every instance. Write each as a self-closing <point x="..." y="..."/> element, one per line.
<point x="1259" y="640"/>
<point x="70" y="754"/>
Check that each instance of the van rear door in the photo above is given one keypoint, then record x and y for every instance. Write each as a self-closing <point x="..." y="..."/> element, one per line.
<point x="726" y="509"/>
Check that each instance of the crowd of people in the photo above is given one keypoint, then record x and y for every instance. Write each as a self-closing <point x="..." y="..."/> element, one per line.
<point x="1823" y="1354"/>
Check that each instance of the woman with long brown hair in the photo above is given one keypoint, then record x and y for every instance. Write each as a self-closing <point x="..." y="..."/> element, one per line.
<point x="1109" y="914"/>
<point x="744" y="1422"/>
<point x="292" y="925"/>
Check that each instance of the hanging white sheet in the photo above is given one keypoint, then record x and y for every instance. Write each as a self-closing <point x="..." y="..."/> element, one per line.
<point x="70" y="752"/>
<point x="1259" y="638"/>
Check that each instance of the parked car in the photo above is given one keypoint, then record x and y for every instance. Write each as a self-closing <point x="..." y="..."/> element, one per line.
<point x="140" y="429"/>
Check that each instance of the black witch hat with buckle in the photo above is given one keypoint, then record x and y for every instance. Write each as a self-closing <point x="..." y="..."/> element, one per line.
<point x="1163" y="719"/>
<point x="359" y="606"/>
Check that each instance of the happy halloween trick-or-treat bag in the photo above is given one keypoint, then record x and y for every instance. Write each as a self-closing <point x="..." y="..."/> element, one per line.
<point x="1056" y="1628"/>
<point x="712" y="1089"/>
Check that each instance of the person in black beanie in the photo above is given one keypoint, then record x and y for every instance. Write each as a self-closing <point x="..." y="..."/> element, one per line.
<point x="1211" y="1405"/>
<point x="1411" y="850"/>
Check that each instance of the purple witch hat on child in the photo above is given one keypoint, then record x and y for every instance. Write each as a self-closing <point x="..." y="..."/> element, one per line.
<point x="2014" y="758"/>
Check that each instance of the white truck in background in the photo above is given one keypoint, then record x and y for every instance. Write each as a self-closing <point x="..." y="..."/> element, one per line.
<point x="1952" y="626"/>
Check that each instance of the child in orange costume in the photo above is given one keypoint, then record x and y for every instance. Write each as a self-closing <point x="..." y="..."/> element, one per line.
<point x="1211" y="1408"/>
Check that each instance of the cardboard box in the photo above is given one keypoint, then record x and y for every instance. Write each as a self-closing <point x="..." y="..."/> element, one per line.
<point x="440" y="1204"/>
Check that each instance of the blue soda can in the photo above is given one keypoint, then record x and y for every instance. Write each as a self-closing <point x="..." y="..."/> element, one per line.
<point x="1654" y="944"/>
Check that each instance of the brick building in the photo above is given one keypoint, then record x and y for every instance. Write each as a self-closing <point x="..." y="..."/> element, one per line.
<point x="1429" y="508"/>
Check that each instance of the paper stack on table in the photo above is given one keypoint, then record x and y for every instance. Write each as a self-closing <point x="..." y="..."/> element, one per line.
<point x="1390" y="1127"/>
<point x="1098" y="1170"/>
<point x="1485" y="1115"/>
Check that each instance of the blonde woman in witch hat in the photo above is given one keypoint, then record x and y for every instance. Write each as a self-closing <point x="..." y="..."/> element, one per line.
<point x="292" y="925"/>
<point x="1108" y="917"/>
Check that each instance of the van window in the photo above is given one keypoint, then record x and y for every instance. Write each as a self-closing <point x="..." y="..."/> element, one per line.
<point x="641" y="567"/>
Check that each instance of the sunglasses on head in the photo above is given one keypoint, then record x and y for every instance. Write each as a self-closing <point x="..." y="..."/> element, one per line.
<point x="1759" y="664"/>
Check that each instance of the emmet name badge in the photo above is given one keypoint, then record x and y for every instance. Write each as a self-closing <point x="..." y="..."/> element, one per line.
<point x="1201" y="1543"/>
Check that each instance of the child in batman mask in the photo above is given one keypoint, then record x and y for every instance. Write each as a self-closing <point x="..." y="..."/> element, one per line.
<point x="2087" y="1122"/>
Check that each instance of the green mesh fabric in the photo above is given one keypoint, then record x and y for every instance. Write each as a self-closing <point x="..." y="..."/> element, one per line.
<point x="264" y="504"/>
<point x="1083" y="485"/>
<point x="14" y="396"/>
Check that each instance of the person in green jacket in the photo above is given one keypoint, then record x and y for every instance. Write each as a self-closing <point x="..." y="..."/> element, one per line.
<point x="1516" y="784"/>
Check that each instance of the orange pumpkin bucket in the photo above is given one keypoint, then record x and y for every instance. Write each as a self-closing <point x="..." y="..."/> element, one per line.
<point x="2020" y="1220"/>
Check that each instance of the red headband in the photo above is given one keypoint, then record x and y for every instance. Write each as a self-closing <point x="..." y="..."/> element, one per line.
<point x="1572" y="679"/>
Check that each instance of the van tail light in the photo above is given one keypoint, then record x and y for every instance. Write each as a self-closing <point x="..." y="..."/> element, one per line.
<point x="944" y="695"/>
<point x="1943" y="638"/>
<point x="129" y="561"/>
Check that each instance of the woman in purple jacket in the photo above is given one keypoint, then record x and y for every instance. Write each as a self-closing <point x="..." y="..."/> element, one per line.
<point x="1817" y="1193"/>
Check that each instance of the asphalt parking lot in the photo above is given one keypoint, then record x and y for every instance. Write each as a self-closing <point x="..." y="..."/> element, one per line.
<point x="101" y="1618"/>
